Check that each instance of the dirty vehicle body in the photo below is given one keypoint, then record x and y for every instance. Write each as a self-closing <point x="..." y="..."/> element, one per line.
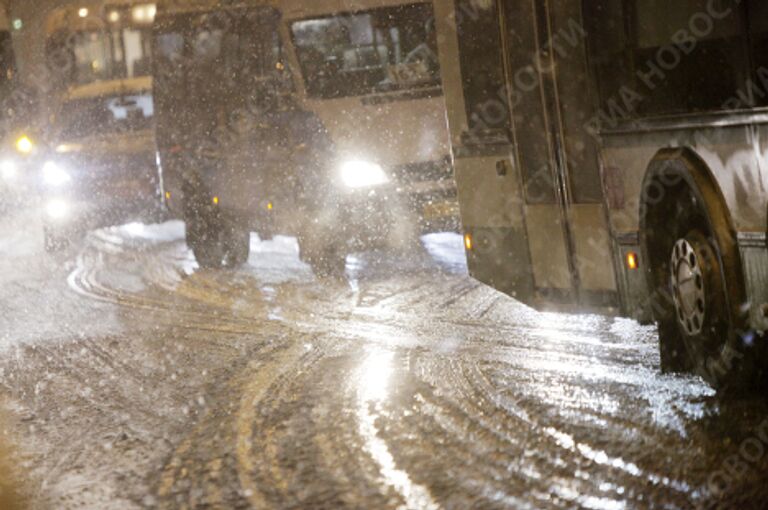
<point x="101" y="166"/>
<point x="11" y="158"/>
<point x="246" y="146"/>
<point x="103" y="169"/>
<point x="619" y="171"/>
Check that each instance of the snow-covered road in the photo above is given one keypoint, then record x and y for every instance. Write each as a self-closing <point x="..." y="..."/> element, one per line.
<point x="134" y="380"/>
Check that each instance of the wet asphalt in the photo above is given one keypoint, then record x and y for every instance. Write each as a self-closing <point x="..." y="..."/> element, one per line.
<point x="132" y="379"/>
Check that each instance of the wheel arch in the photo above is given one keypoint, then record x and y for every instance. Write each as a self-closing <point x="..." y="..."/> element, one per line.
<point x="669" y="172"/>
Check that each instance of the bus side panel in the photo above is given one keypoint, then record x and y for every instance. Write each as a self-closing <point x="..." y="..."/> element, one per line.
<point x="731" y="156"/>
<point x="533" y="126"/>
<point x="491" y="210"/>
<point x="589" y="226"/>
<point x="754" y="254"/>
<point x="547" y="245"/>
<point x="729" y="153"/>
<point x="450" y="69"/>
<point x="593" y="248"/>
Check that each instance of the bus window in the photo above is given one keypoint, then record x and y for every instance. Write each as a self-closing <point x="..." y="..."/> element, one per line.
<point x="111" y="51"/>
<point x="758" y="30"/>
<point x="639" y="52"/>
<point x="382" y="50"/>
<point x="7" y="63"/>
<point x="485" y="90"/>
<point x="611" y="53"/>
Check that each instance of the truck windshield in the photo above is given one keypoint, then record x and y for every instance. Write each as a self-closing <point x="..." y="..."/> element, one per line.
<point x="380" y="50"/>
<point x="212" y="63"/>
<point x="88" y="117"/>
<point x="195" y="47"/>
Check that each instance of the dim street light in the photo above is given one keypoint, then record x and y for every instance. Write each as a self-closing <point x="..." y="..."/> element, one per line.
<point x="114" y="16"/>
<point x="83" y="12"/>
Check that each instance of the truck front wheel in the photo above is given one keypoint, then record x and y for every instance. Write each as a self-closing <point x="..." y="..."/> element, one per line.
<point x="216" y="242"/>
<point x="325" y="259"/>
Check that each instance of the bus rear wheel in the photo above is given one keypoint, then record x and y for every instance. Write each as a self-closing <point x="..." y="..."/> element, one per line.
<point x="700" y="295"/>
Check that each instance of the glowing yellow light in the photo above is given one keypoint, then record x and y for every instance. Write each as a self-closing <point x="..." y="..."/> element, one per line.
<point x="280" y="66"/>
<point x="24" y="145"/>
<point x="215" y="200"/>
<point x="167" y="195"/>
<point x="114" y="16"/>
<point x="270" y="206"/>
<point x="468" y="242"/>
<point x="632" y="261"/>
<point x="144" y="13"/>
<point x="83" y="12"/>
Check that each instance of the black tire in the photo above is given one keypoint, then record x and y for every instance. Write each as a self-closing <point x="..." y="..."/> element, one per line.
<point x="672" y="350"/>
<point x="325" y="260"/>
<point x="217" y="243"/>
<point x="696" y="280"/>
<point x="238" y="246"/>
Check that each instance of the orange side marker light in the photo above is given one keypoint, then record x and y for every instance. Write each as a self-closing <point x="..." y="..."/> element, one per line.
<point x="633" y="263"/>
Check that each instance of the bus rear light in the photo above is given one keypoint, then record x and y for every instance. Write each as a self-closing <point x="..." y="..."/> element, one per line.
<point x="468" y="242"/>
<point x="633" y="262"/>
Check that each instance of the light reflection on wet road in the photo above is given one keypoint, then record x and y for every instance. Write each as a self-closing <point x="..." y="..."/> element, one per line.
<point x="407" y="385"/>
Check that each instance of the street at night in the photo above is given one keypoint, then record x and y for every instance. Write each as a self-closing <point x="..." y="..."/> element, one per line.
<point x="383" y="254"/>
<point x="147" y="383"/>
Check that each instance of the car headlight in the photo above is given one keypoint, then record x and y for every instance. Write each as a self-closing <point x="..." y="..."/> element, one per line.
<point x="8" y="170"/>
<point x="57" y="209"/>
<point x="362" y="174"/>
<point x="54" y="175"/>
<point x="24" y="144"/>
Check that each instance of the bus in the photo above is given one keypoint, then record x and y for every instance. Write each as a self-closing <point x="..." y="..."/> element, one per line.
<point x="611" y="157"/>
<point x="354" y="85"/>
<point x="11" y="104"/>
<point x="99" y="167"/>
<point x="7" y="59"/>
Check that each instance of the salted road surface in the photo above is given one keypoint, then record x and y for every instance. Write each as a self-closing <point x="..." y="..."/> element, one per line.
<point x="132" y="379"/>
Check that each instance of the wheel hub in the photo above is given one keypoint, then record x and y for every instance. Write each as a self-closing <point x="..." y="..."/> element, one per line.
<point x="688" y="289"/>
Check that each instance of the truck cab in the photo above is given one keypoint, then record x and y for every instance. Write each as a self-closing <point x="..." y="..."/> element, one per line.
<point x="241" y="152"/>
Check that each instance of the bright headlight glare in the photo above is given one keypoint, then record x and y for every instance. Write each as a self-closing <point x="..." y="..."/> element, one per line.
<point x="362" y="174"/>
<point x="24" y="145"/>
<point x="8" y="169"/>
<point x="54" y="175"/>
<point x="57" y="209"/>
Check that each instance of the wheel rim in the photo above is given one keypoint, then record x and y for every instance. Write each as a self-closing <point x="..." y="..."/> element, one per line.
<point x="689" y="270"/>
